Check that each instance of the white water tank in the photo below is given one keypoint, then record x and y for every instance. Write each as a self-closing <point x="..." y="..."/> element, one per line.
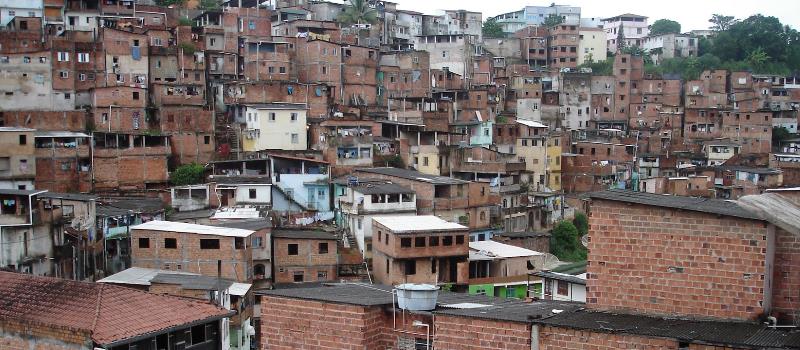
<point x="416" y="297"/>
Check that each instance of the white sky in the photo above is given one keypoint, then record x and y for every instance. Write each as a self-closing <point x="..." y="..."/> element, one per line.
<point x="692" y="14"/>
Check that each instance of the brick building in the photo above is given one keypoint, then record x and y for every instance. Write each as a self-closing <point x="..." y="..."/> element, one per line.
<point x="207" y="250"/>
<point x="51" y="313"/>
<point x="304" y="256"/>
<point x="420" y="249"/>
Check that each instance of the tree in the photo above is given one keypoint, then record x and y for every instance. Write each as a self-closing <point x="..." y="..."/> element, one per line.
<point x="721" y="23"/>
<point x="553" y="20"/>
<point x="492" y="29"/>
<point x="581" y="222"/>
<point x="621" y="38"/>
<point x="188" y="174"/>
<point x="757" y="57"/>
<point x="665" y="26"/>
<point x="565" y="242"/>
<point x="358" y="12"/>
<point x="779" y="134"/>
<point x="167" y="3"/>
<point x="208" y="5"/>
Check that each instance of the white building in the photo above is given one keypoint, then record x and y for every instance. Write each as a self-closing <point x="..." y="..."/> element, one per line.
<point x="274" y="126"/>
<point x="19" y="8"/>
<point x="670" y="45"/>
<point x="592" y="45"/>
<point x="718" y="152"/>
<point x="634" y="28"/>
<point x="451" y="52"/>
<point x="563" y="287"/>
<point x="371" y="198"/>
<point x="536" y="16"/>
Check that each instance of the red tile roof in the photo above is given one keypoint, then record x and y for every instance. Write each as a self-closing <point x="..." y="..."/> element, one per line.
<point x="109" y="313"/>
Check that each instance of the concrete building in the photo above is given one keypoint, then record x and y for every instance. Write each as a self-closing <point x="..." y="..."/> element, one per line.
<point x="451" y="52"/>
<point x="207" y="250"/>
<point x="561" y="286"/>
<point x="503" y="268"/>
<point x="274" y="126"/>
<point x="670" y="45"/>
<point x="20" y="8"/>
<point x="17" y="158"/>
<point x="634" y="29"/>
<point x="536" y="16"/>
<point x="419" y="249"/>
<point x="304" y="256"/>
<point x="365" y="199"/>
<point x="592" y="45"/>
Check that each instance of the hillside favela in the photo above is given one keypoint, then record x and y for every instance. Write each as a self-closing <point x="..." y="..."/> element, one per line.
<point x="377" y="175"/>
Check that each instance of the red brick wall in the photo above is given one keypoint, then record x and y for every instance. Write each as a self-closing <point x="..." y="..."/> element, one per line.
<point x="552" y="338"/>
<point x="308" y="260"/>
<point x="634" y="250"/>
<point x="461" y="333"/>
<point x="16" y="336"/>
<point x="786" y="282"/>
<point x="302" y="324"/>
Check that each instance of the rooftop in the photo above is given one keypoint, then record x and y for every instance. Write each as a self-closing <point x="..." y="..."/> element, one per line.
<point x="734" y="334"/>
<point x="109" y="314"/>
<point x="425" y="223"/>
<point x="137" y="276"/>
<point x="69" y="196"/>
<point x="500" y="250"/>
<point x="60" y="134"/>
<point x="531" y="123"/>
<point x="448" y="303"/>
<point x="560" y="277"/>
<point x="523" y="234"/>
<point x="277" y="106"/>
<point x="12" y="192"/>
<point x="247" y="224"/>
<point x="241" y="179"/>
<point x="13" y="128"/>
<point x="195" y="282"/>
<point x="302" y="234"/>
<point x="415" y="176"/>
<point x="381" y="188"/>
<point x="171" y="226"/>
<point x="705" y="205"/>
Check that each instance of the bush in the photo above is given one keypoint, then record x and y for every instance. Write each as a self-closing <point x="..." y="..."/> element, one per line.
<point x="188" y="174"/>
<point x="185" y="21"/>
<point x="581" y="222"/>
<point x="565" y="243"/>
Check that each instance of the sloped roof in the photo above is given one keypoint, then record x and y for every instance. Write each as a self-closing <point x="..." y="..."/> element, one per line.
<point x="501" y="250"/>
<point x="414" y="175"/>
<point x="774" y="208"/>
<point x="705" y="205"/>
<point x="171" y="226"/>
<point x="109" y="313"/>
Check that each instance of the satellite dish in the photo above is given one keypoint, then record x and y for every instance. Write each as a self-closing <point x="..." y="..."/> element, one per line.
<point x="550" y="261"/>
<point x="585" y="240"/>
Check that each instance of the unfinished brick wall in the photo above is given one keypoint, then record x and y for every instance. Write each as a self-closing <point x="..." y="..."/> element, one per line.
<point x="308" y="261"/>
<point x="552" y="338"/>
<point x="304" y="324"/>
<point x="786" y="281"/>
<point x="476" y="334"/>
<point x="23" y="336"/>
<point x="667" y="261"/>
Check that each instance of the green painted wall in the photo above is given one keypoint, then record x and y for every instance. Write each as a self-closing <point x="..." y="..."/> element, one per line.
<point x="518" y="291"/>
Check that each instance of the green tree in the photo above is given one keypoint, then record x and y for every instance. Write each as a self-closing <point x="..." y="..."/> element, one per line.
<point x="565" y="242"/>
<point x="720" y="22"/>
<point x="779" y="134"/>
<point x="553" y="20"/>
<point x="208" y="5"/>
<point x="184" y="21"/>
<point x="621" y="44"/>
<point x="581" y="222"/>
<point x="665" y="26"/>
<point x="188" y="174"/>
<point x="492" y="29"/>
<point x="167" y="3"/>
<point x="358" y="12"/>
<point x="757" y="57"/>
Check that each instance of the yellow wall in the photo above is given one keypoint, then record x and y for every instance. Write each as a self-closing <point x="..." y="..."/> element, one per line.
<point x="595" y="41"/>
<point x="534" y="157"/>
<point x="275" y="134"/>
<point x="554" y="163"/>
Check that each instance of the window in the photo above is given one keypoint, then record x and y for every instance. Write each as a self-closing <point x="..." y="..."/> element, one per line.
<point x="295" y="138"/>
<point x="405" y="242"/>
<point x="563" y="288"/>
<point x="387" y="266"/>
<point x="144" y="243"/>
<point x="460" y="239"/>
<point x="198" y="334"/>
<point x="419" y="241"/>
<point x="252" y="193"/>
<point x="170" y="243"/>
<point x="323" y="248"/>
<point x="83" y="57"/>
<point x="23" y="139"/>
<point x="207" y="139"/>
<point x="272" y="117"/>
<point x="238" y="243"/>
<point x="411" y="267"/>
<point x="209" y="243"/>
<point x="63" y="57"/>
<point x="63" y="74"/>
<point x="136" y="95"/>
<point x="293" y="117"/>
<point x="251" y="24"/>
<point x="282" y="70"/>
<point x="379" y="235"/>
<point x="447" y="241"/>
<point x="359" y="222"/>
<point x="292" y="249"/>
<point x="297" y="276"/>
<point x="322" y="275"/>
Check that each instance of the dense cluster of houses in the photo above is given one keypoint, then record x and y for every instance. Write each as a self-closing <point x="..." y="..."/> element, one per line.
<point x="341" y="160"/>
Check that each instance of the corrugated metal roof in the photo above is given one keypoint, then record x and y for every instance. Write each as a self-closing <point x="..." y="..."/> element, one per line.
<point x="415" y="176"/>
<point x="171" y="226"/>
<point x="706" y="205"/>
<point x="501" y="250"/>
<point x="424" y="223"/>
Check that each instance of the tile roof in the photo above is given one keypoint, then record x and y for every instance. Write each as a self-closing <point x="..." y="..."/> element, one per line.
<point x="111" y="314"/>
<point x="705" y="205"/>
<point x="414" y="175"/>
<point x="731" y="333"/>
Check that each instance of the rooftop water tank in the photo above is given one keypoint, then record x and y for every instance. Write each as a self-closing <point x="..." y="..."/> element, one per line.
<point x="417" y="297"/>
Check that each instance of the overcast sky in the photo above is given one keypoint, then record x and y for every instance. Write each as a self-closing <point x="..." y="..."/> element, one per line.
<point x="692" y="14"/>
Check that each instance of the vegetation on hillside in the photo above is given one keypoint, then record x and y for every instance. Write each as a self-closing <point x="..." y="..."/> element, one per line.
<point x="492" y="29"/>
